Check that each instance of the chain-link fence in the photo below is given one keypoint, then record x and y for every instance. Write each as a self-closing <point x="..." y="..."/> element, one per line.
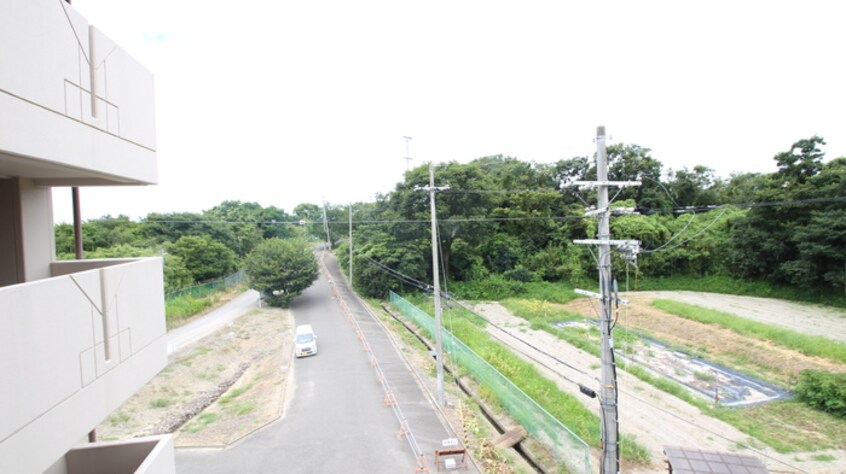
<point x="566" y="447"/>
<point x="209" y="287"/>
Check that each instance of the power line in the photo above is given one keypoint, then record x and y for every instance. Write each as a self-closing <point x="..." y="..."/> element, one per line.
<point x="427" y="288"/>
<point x="684" y="209"/>
<point x="700" y="232"/>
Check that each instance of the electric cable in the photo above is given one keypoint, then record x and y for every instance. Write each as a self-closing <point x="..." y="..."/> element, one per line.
<point x="582" y="372"/>
<point x="701" y="208"/>
<point x="700" y="232"/>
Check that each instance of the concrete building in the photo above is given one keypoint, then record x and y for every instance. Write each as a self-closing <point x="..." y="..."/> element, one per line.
<point x="77" y="338"/>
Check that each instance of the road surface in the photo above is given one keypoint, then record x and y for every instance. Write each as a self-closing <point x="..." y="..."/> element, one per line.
<point x="337" y="420"/>
<point x="205" y="325"/>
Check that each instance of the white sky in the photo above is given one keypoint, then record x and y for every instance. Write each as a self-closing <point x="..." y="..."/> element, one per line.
<point x="283" y="102"/>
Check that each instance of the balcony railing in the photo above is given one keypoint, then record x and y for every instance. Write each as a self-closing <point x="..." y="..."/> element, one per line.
<point x="72" y="349"/>
<point x="63" y="79"/>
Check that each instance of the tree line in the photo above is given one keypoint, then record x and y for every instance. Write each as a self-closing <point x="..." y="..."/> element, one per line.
<point x="505" y="221"/>
<point x="196" y="247"/>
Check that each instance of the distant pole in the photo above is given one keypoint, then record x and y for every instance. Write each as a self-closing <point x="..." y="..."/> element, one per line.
<point x="326" y="226"/>
<point x="407" y="155"/>
<point x="437" y="288"/>
<point x="351" y="248"/>
<point x="610" y="424"/>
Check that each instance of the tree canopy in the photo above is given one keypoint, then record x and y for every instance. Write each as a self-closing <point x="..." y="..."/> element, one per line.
<point x="281" y="269"/>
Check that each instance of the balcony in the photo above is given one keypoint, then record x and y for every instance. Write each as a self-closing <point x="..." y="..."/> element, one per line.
<point x="75" y="108"/>
<point x="73" y="348"/>
<point x="151" y="455"/>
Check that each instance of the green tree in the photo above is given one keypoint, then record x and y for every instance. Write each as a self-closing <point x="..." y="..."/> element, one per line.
<point x="169" y="227"/>
<point x="176" y="274"/>
<point x="204" y="257"/>
<point x="281" y="269"/>
<point x="236" y="225"/>
<point x="697" y="187"/>
<point x="794" y="235"/>
<point x="311" y="217"/>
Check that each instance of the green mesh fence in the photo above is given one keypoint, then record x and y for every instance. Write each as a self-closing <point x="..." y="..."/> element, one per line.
<point x="207" y="288"/>
<point x="566" y="447"/>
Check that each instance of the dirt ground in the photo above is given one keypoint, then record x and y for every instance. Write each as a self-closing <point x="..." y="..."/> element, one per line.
<point x="805" y="318"/>
<point x="222" y="388"/>
<point x="655" y="418"/>
<point x="235" y="381"/>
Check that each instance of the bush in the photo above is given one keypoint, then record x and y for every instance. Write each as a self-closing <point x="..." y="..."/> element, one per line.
<point x="824" y="391"/>
<point x="520" y="273"/>
<point x="495" y="287"/>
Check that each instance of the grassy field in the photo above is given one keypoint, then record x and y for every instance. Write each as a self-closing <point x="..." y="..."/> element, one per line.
<point x="787" y="426"/>
<point x="182" y="309"/>
<point x="815" y="346"/>
<point x="566" y="408"/>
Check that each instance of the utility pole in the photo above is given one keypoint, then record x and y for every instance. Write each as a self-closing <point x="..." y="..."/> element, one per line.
<point x="326" y="226"/>
<point x="407" y="155"/>
<point x="351" y="247"/>
<point x="437" y="285"/>
<point x="610" y="463"/>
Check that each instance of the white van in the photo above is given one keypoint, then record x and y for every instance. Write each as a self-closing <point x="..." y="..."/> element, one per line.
<point x="305" y="342"/>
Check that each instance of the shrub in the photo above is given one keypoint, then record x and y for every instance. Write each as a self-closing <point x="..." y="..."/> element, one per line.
<point x="824" y="391"/>
<point x="494" y="287"/>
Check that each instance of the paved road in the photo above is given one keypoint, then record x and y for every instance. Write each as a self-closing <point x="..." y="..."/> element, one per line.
<point x="337" y="420"/>
<point x="202" y="327"/>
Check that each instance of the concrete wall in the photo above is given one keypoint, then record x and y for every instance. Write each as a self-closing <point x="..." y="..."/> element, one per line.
<point x="38" y="238"/>
<point x="148" y="455"/>
<point x="11" y="265"/>
<point x="72" y="349"/>
<point x="27" y="240"/>
<point x="51" y="60"/>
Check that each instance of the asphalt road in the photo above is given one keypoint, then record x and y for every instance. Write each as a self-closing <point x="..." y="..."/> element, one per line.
<point x="202" y="327"/>
<point x="337" y="420"/>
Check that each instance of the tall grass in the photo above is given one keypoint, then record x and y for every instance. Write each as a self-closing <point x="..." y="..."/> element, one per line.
<point x="814" y="346"/>
<point x="180" y="309"/>
<point x="566" y="408"/>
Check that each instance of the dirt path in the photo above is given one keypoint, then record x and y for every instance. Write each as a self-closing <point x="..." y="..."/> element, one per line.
<point x="804" y="318"/>
<point x="655" y="418"/>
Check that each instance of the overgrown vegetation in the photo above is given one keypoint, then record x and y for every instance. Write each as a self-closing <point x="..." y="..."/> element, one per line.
<point x="783" y="425"/>
<point x="564" y="407"/>
<point x="505" y="225"/>
<point x="824" y="391"/>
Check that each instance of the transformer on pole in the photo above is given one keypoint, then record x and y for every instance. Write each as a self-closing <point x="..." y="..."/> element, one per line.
<point x="610" y="463"/>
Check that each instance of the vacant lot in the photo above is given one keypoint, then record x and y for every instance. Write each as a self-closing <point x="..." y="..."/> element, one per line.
<point x="657" y="418"/>
<point x="218" y="390"/>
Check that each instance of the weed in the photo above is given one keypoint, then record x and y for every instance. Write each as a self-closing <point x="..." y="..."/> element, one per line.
<point x="201" y="422"/>
<point x="160" y="403"/>
<point x="118" y="418"/>
<point x="704" y="376"/>
<point x="234" y="393"/>
<point x="240" y="408"/>
<point x="824" y="457"/>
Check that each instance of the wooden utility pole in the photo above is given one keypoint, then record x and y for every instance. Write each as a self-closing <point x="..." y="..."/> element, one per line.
<point x="351" y="249"/>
